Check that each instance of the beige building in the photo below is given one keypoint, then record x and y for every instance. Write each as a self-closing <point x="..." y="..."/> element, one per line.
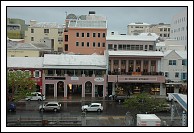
<point x="137" y="27"/>
<point x="37" y="32"/>
<point x="161" y="29"/>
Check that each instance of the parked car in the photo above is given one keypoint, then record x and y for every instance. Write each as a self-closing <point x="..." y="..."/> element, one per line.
<point x="121" y="98"/>
<point x="11" y="107"/>
<point x="35" y="96"/>
<point x="50" y="106"/>
<point x="92" y="107"/>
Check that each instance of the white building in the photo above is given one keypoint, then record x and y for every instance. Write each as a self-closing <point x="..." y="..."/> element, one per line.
<point x="37" y="32"/>
<point x="179" y="28"/>
<point x="174" y="66"/>
<point x="137" y="27"/>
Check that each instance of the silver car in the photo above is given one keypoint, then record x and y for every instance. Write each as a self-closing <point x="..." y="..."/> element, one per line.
<point x="50" y="106"/>
<point x="92" y="107"/>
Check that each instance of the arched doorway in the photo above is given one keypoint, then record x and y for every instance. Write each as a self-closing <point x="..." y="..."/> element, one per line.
<point x="88" y="89"/>
<point x="60" y="89"/>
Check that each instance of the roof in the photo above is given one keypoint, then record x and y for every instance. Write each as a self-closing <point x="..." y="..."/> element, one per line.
<point x="88" y="24"/>
<point x="181" y="99"/>
<point x="47" y="25"/>
<point x="182" y="54"/>
<point x="24" y="62"/>
<point x="148" y="117"/>
<point x="74" y="61"/>
<point x="160" y="44"/>
<point x="139" y="23"/>
<point x="136" y="53"/>
<point x="141" y="37"/>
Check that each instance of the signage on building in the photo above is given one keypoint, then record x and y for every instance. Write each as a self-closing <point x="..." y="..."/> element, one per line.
<point x="74" y="78"/>
<point x="142" y="79"/>
<point x="99" y="79"/>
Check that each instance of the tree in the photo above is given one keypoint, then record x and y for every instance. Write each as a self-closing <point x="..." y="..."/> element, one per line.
<point x="142" y="103"/>
<point x="19" y="83"/>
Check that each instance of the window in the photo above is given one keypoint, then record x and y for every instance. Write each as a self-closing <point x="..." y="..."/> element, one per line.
<point x="94" y="34"/>
<point x="88" y="44"/>
<point x="32" y="30"/>
<point x="110" y="46"/>
<point x="184" y="62"/>
<point x="88" y="34"/>
<point x="150" y="47"/>
<point x="176" y="74"/>
<point x="183" y="76"/>
<point x="166" y="74"/>
<point x="66" y="38"/>
<point x="82" y="44"/>
<point x="98" y="34"/>
<point x="82" y="34"/>
<point x="37" y="74"/>
<point x="66" y="47"/>
<point x="46" y="30"/>
<point x="94" y="44"/>
<point x="77" y="43"/>
<point x="103" y="44"/>
<point x="161" y="29"/>
<point x="32" y="38"/>
<point x="103" y="35"/>
<point x="77" y="34"/>
<point x="99" y="44"/>
<point x="168" y="29"/>
<point x="172" y="62"/>
<point x="165" y="29"/>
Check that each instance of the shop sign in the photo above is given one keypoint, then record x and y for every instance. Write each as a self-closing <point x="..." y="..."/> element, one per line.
<point x="74" y="78"/>
<point x="99" y="79"/>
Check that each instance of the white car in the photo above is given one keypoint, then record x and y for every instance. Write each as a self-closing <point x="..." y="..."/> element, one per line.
<point x="35" y="96"/>
<point x="92" y="107"/>
<point x="50" y="106"/>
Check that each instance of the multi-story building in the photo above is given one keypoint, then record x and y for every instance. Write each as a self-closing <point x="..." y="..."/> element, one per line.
<point x="179" y="28"/>
<point x="85" y="34"/>
<point x="16" y="28"/>
<point x="32" y="65"/>
<point x="174" y="67"/>
<point x="137" y="27"/>
<point x="161" y="29"/>
<point x="38" y="31"/>
<point x="134" y="64"/>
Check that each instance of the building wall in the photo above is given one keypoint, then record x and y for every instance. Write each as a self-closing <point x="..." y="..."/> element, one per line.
<point x="72" y="39"/>
<point x="132" y="28"/>
<point x="172" y="69"/>
<point x="22" y="53"/>
<point x="39" y="35"/>
<point x="179" y="27"/>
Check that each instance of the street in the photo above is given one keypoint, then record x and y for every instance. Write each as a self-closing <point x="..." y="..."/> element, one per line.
<point x="114" y="114"/>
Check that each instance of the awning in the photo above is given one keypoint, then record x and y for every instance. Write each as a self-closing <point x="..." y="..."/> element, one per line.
<point x="181" y="99"/>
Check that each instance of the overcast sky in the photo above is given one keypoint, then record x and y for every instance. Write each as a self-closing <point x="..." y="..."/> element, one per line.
<point x="118" y="17"/>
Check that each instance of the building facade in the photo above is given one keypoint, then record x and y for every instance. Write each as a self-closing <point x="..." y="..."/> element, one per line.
<point x="39" y="31"/>
<point x="179" y="28"/>
<point x="137" y="27"/>
<point x="85" y="34"/>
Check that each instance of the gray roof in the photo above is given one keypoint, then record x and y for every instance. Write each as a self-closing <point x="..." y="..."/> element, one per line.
<point x="74" y="61"/>
<point x="47" y="25"/>
<point x="88" y="24"/>
<point x="24" y="62"/>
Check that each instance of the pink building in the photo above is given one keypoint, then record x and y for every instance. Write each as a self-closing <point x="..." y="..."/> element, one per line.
<point x="85" y="35"/>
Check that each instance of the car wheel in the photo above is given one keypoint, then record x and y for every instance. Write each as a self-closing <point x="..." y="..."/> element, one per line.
<point x="39" y="99"/>
<point x="55" y="110"/>
<point x="85" y="110"/>
<point x="99" y="110"/>
<point x="41" y="109"/>
<point x="28" y="100"/>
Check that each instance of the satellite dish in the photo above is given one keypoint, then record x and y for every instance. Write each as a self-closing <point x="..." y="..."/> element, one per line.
<point x="71" y="16"/>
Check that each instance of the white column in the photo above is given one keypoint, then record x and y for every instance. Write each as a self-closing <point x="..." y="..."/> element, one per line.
<point x="83" y="90"/>
<point x="55" y="90"/>
<point x="113" y="88"/>
<point x="134" y="66"/>
<point x="149" y="65"/>
<point x="65" y="90"/>
<point x="141" y="66"/>
<point x="93" y="90"/>
<point x="127" y="66"/>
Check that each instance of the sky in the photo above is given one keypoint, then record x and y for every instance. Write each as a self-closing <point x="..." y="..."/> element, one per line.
<point x="117" y="17"/>
<point x="119" y="14"/>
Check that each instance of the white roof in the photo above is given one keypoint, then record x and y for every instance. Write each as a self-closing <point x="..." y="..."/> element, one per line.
<point x="136" y="53"/>
<point x="88" y="24"/>
<point x="148" y="117"/>
<point x="143" y="37"/>
<point x="139" y="23"/>
<point x="47" y="25"/>
<point x="160" y="44"/>
<point x="74" y="61"/>
<point x="24" y="62"/>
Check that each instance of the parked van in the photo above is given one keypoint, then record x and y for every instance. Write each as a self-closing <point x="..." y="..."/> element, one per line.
<point x="35" y="96"/>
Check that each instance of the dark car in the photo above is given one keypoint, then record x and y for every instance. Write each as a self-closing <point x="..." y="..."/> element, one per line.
<point x="12" y="107"/>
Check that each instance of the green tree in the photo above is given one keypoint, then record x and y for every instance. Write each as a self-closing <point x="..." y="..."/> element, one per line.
<point x="141" y="104"/>
<point x="19" y="83"/>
